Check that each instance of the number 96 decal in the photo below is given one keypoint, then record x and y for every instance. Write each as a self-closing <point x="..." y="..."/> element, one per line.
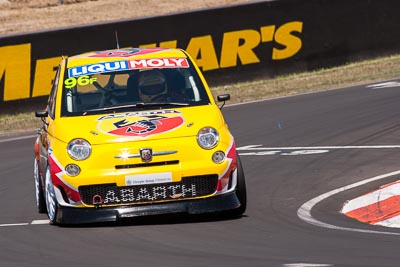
<point x="82" y="81"/>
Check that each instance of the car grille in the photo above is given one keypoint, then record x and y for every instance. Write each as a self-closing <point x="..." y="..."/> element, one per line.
<point x="111" y="194"/>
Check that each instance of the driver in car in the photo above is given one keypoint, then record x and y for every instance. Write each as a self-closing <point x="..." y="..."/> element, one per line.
<point x="153" y="86"/>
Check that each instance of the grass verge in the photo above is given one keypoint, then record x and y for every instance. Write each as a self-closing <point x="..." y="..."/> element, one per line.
<point x="352" y="74"/>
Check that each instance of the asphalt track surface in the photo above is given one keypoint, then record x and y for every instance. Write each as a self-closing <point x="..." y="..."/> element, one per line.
<point x="293" y="150"/>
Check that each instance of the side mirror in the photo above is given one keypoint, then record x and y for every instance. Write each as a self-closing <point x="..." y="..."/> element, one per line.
<point x="223" y="98"/>
<point x="41" y="113"/>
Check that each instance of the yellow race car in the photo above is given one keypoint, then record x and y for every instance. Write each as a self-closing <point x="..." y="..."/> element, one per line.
<point x="134" y="132"/>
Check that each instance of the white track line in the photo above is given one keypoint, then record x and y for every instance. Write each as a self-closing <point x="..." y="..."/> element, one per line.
<point x="34" y="222"/>
<point x="304" y="212"/>
<point x="13" y="224"/>
<point x="17" y="138"/>
<point x="306" y="265"/>
<point x="259" y="147"/>
<point x="40" y="222"/>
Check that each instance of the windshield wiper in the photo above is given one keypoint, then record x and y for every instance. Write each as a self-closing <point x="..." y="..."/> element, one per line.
<point x="155" y="104"/>
<point x="137" y="105"/>
<point x="110" y="108"/>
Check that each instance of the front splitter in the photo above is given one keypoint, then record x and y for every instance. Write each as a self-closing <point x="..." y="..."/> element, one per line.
<point x="68" y="215"/>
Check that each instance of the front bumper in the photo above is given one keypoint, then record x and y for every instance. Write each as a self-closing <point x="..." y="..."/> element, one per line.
<point x="69" y="215"/>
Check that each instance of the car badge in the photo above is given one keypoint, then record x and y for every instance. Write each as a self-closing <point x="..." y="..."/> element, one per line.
<point x="146" y="154"/>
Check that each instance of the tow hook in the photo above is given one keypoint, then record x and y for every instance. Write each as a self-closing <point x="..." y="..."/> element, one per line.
<point x="97" y="200"/>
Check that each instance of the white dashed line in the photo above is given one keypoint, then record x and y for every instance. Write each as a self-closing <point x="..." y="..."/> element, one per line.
<point x="34" y="222"/>
<point x="384" y="85"/>
<point x="17" y="138"/>
<point x="258" y="150"/>
<point x="259" y="147"/>
<point x="13" y="224"/>
<point x="306" y="265"/>
<point x="40" y="222"/>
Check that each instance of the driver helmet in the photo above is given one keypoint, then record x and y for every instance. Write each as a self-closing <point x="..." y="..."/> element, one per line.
<point x="152" y="83"/>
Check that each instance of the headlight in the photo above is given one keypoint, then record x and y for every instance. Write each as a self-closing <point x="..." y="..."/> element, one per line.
<point x="79" y="149"/>
<point x="207" y="137"/>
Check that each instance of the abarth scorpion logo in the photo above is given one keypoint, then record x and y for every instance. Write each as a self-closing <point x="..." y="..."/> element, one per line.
<point x="146" y="154"/>
<point x="142" y="124"/>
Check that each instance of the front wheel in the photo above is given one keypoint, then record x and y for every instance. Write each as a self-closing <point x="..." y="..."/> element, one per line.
<point x="240" y="189"/>
<point x="51" y="200"/>
<point x="240" y="192"/>
<point x="40" y="201"/>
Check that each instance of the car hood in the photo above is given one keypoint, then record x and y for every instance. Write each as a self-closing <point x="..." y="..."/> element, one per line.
<point x="138" y="125"/>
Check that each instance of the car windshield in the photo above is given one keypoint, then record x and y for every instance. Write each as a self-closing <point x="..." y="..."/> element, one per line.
<point x="99" y="89"/>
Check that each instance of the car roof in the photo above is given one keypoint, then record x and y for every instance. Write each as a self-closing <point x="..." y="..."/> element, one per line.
<point x="124" y="54"/>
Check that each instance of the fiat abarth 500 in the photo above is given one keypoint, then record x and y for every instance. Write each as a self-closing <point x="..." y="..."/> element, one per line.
<point x="134" y="132"/>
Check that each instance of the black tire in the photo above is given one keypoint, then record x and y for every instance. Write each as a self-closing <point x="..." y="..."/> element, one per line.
<point x="40" y="200"/>
<point x="50" y="197"/>
<point x="241" y="192"/>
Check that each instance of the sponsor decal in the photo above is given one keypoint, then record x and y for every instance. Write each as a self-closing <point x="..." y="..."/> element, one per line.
<point x="127" y="52"/>
<point x="141" y="113"/>
<point x="159" y="63"/>
<point x="153" y="178"/>
<point x="238" y="47"/>
<point x="127" y="65"/>
<point x="82" y="81"/>
<point x="98" y="68"/>
<point x="140" y="125"/>
<point x="146" y="193"/>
